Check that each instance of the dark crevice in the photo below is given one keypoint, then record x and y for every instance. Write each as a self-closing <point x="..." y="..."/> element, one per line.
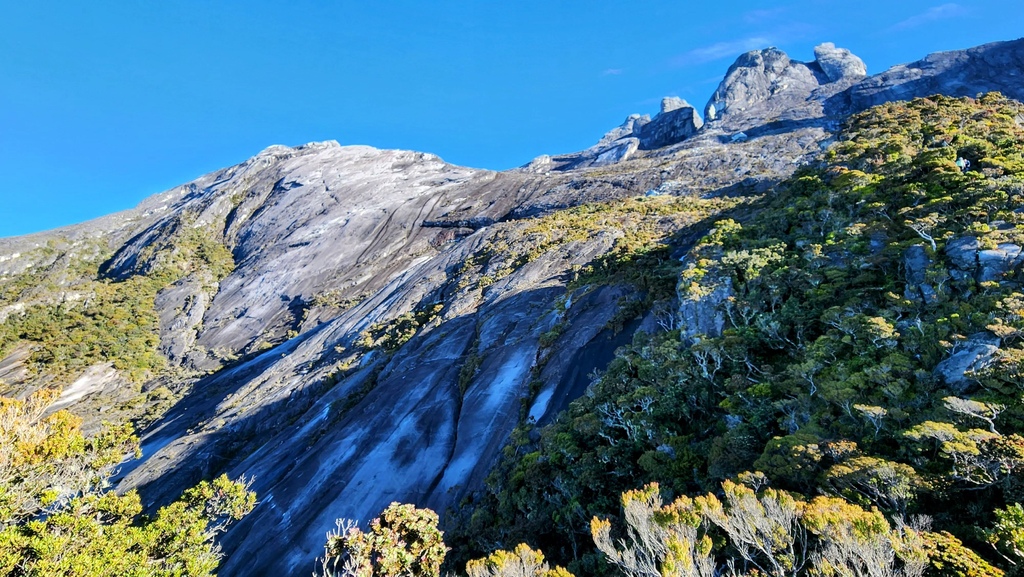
<point x="466" y="354"/>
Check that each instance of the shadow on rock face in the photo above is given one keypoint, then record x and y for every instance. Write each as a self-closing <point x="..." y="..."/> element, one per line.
<point x="405" y="427"/>
<point x="987" y="68"/>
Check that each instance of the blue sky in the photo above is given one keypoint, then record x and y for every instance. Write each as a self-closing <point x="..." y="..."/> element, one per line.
<point x="104" y="103"/>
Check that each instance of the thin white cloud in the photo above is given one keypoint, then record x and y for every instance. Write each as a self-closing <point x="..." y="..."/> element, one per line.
<point x="612" y="72"/>
<point x="948" y="10"/>
<point x="720" y="50"/>
<point x="759" y="16"/>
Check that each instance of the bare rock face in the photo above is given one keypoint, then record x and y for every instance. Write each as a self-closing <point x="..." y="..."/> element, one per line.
<point x="617" y="145"/>
<point x="703" y="314"/>
<point x="963" y="252"/>
<point x="670" y="103"/>
<point x="676" y="122"/>
<point x="996" y="262"/>
<point x="629" y="127"/>
<point x="838" y="63"/>
<point x="621" y="149"/>
<point x="763" y="83"/>
<point x="330" y="241"/>
<point x="998" y="66"/>
<point x="915" y="263"/>
<point x="95" y="379"/>
<point x="182" y="307"/>
<point x="679" y="122"/>
<point x="978" y="352"/>
<point x="970" y="260"/>
<point x="321" y="219"/>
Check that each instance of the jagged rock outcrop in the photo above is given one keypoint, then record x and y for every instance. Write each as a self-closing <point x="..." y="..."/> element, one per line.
<point x="759" y="79"/>
<point x="617" y="145"/>
<point x="676" y="122"/>
<point x="766" y="92"/>
<point x="916" y="263"/>
<point x="973" y="355"/>
<point x="998" y="66"/>
<point x="630" y="127"/>
<point x="670" y="103"/>
<point x="767" y="87"/>
<point x="329" y="241"/>
<point x="982" y="264"/>
<point x="838" y="63"/>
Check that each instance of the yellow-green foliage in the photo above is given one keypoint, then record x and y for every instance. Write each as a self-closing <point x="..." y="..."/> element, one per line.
<point x="640" y="227"/>
<point x="111" y="321"/>
<point x="104" y="535"/>
<point x="948" y="557"/>
<point x="191" y="249"/>
<point x="404" y="541"/>
<point x="11" y="288"/>
<point x="639" y="220"/>
<point x="772" y="531"/>
<point x="520" y="562"/>
<point x="469" y="369"/>
<point x="46" y="460"/>
<point x="936" y="130"/>
<point x="52" y="266"/>
<point x="392" y="334"/>
<point x="333" y="299"/>
<point x="826" y="375"/>
<point x="56" y="517"/>
<point x="91" y="319"/>
<point x="1007" y="533"/>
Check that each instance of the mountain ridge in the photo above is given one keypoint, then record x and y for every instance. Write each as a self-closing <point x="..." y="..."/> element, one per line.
<point x="384" y="314"/>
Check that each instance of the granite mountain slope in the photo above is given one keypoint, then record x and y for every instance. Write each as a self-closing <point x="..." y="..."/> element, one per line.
<point x="845" y="340"/>
<point x="351" y="326"/>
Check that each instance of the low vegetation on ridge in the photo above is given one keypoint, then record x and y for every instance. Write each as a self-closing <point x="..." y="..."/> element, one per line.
<point x="854" y="410"/>
<point x="860" y="413"/>
<point x="73" y="317"/>
<point x="59" y="517"/>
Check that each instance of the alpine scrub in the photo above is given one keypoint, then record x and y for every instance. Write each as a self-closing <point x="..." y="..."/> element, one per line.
<point x="868" y="358"/>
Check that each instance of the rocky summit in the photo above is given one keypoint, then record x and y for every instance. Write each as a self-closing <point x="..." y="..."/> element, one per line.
<point x="348" y="327"/>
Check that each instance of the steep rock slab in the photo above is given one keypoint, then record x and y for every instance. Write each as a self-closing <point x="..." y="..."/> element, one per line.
<point x="279" y="414"/>
<point x="422" y="433"/>
<point x="676" y="122"/>
<point x="838" y="63"/>
<point x="765" y="83"/>
<point x="766" y="88"/>
<point x="391" y="446"/>
<point x="312" y="230"/>
<point x="998" y="66"/>
<point x="320" y="217"/>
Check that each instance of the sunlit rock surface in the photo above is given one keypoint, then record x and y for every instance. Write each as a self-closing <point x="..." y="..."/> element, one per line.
<point x="329" y="240"/>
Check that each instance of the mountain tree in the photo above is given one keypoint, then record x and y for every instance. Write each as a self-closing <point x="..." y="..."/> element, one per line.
<point x="57" y="516"/>
<point x="402" y="541"/>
